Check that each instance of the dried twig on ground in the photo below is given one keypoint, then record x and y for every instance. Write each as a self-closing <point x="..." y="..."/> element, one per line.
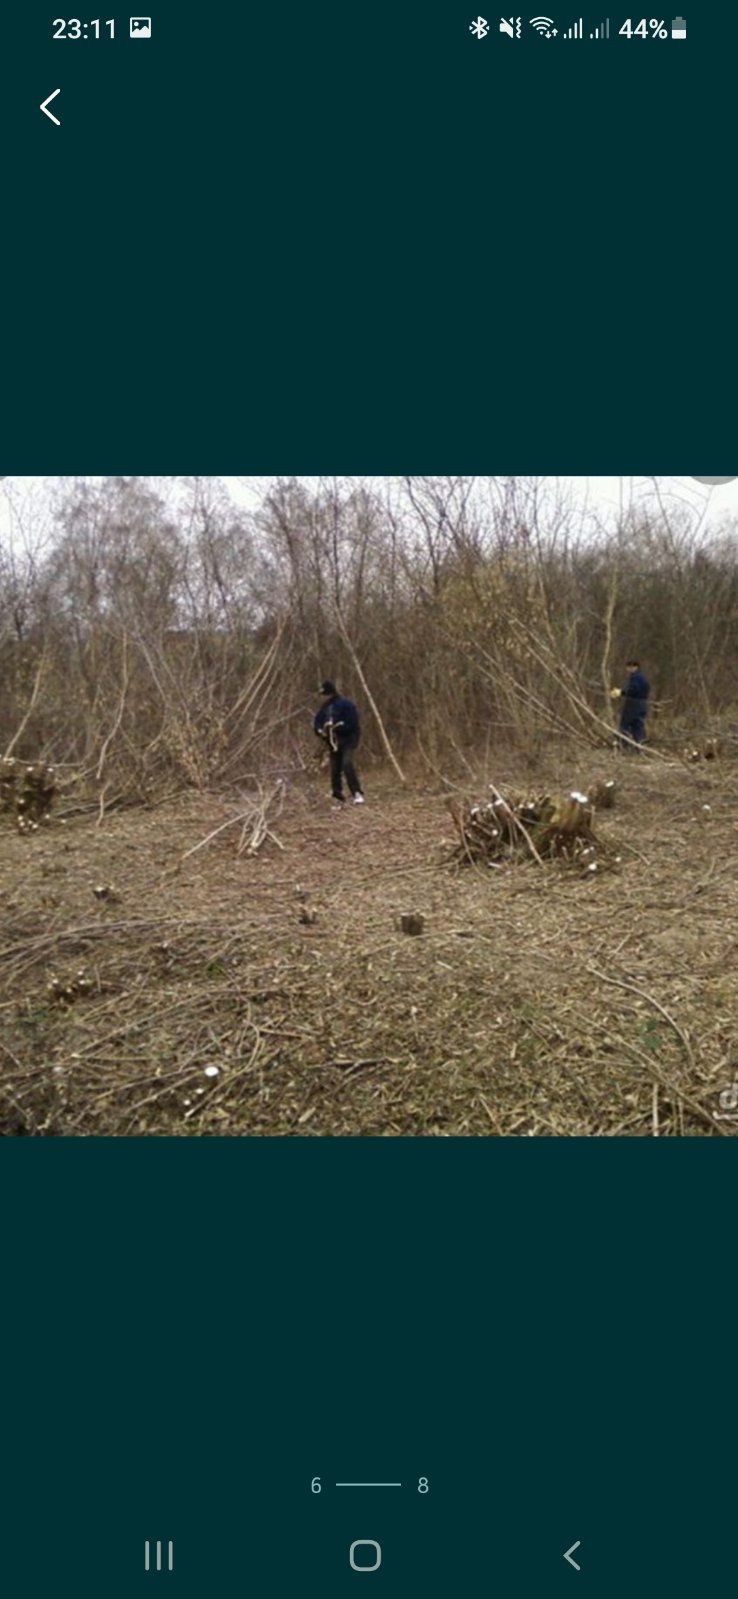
<point x="206" y="1007"/>
<point x="254" y="825"/>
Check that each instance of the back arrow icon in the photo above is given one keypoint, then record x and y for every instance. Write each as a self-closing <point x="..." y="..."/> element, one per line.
<point x="44" y="106"/>
<point x="570" y="1552"/>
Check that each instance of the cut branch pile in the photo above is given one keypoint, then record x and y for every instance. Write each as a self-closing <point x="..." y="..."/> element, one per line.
<point x="540" y="826"/>
<point x="26" y="793"/>
<point x="256" y="823"/>
<point x="709" y="750"/>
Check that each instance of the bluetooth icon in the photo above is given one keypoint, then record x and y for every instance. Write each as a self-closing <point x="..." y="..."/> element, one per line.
<point x="480" y="28"/>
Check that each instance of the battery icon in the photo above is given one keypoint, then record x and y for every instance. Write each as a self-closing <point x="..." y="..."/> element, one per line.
<point x="678" y="28"/>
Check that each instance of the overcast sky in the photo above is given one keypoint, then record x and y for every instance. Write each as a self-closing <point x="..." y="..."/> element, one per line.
<point x="599" y="494"/>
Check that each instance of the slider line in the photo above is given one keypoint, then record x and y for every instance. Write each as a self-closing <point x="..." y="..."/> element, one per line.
<point x="368" y="1484"/>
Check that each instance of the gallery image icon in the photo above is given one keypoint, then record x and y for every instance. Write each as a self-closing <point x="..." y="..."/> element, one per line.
<point x="511" y="26"/>
<point x="480" y="28"/>
<point x="678" y="28"/>
<point x="140" y="27"/>
<point x="544" y="26"/>
<point x="153" y="1556"/>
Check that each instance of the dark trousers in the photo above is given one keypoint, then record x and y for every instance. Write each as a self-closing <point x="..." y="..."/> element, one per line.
<point x="633" y="727"/>
<point x="342" y="765"/>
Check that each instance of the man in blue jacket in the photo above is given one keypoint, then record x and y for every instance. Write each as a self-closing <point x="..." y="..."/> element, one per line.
<point x="337" y="722"/>
<point x="634" y="704"/>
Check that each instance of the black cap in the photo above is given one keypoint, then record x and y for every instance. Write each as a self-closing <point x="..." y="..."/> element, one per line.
<point x="327" y="687"/>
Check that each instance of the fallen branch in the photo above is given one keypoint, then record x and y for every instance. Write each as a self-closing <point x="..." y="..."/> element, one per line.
<point x="519" y="826"/>
<point x="116" y="724"/>
<point x="643" y="993"/>
<point x="370" y="697"/>
<point x="29" y="712"/>
<point x="254" y="817"/>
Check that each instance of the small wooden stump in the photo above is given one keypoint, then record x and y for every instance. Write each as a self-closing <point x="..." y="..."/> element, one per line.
<point x="602" y="794"/>
<point x="411" y="922"/>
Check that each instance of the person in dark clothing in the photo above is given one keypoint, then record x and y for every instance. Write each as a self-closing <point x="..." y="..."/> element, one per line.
<point x="337" y="721"/>
<point x="634" y="705"/>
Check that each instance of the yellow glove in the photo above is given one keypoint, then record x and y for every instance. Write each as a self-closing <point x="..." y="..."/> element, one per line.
<point x="615" y="693"/>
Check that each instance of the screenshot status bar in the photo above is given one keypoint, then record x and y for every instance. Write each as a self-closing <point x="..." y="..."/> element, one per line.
<point x="545" y="27"/>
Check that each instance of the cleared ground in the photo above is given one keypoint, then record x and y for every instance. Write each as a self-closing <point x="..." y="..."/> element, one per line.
<point x="536" y="1001"/>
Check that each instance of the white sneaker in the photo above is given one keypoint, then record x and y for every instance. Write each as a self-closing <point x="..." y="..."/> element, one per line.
<point x="358" y="799"/>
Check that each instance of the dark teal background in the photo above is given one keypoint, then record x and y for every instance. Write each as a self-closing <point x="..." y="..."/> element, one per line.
<point x="326" y="238"/>
<point x="339" y="239"/>
<point x="192" y="1332"/>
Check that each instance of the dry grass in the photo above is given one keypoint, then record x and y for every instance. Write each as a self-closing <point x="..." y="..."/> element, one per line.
<point x="275" y="994"/>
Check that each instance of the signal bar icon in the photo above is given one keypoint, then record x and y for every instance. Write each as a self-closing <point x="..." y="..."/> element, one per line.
<point x="576" y="31"/>
<point x="147" y="1555"/>
<point x="603" y="31"/>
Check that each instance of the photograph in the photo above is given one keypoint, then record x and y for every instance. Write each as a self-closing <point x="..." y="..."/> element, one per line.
<point x="368" y="801"/>
<point x="368" y="807"/>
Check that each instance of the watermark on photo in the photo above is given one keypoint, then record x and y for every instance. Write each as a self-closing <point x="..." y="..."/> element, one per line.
<point x="728" y="1111"/>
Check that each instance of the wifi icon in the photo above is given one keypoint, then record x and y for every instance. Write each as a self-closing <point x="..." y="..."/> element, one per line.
<point x="544" y="26"/>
